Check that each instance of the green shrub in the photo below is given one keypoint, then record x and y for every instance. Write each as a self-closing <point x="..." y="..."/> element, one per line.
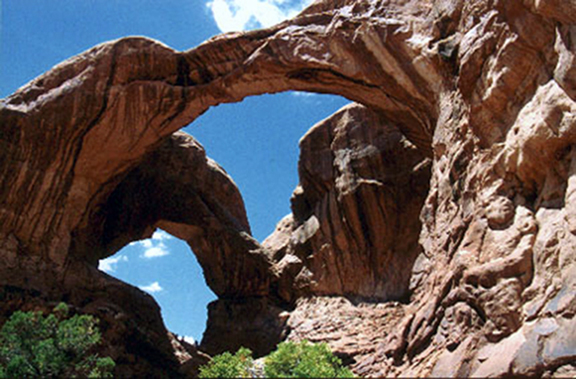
<point x="290" y="360"/>
<point x="227" y="365"/>
<point x="34" y="345"/>
<point x="304" y="360"/>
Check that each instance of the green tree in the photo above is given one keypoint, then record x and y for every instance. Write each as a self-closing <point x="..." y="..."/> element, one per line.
<point x="290" y="360"/>
<point x="34" y="345"/>
<point x="226" y="365"/>
<point x="304" y="360"/>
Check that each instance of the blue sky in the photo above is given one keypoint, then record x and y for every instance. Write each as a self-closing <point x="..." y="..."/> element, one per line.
<point x="256" y="141"/>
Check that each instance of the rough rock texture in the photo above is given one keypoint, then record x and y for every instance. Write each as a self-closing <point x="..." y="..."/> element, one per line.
<point x="355" y="226"/>
<point x="452" y="189"/>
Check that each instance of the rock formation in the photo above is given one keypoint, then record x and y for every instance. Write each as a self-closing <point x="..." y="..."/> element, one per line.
<point x="355" y="227"/>
<point x="436" y="222"/>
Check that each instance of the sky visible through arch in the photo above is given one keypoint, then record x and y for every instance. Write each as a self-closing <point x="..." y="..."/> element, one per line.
<point x="256" y="141"/>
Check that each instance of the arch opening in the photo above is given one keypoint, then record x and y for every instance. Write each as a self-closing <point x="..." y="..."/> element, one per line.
<point x="148" y="197"/>
<point x="179" y="189"/>
<point x="257" y="142"/>
<point x="166" y="268"/>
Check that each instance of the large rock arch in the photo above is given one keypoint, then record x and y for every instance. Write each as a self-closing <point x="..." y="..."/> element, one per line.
<point x="71" y="135"/>
<point x="109" y="106"/>
<point x="81" y="139"/>
<point x="485" y="89"/>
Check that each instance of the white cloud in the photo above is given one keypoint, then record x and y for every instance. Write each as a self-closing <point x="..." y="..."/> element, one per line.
<point x="155" y="251"/>
<point x="239" y="15"/>
<point x="189" y="339"/>
<point x="161" y="235"/>
<point x="303" y="94"/>
<point x="152" y="288"/>
<point x="146" y="243"/>
<point x="154" y="247"/>
<point x="109" y="264"/>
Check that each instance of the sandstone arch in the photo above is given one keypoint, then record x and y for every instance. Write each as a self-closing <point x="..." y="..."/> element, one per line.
<point x="178" y="189"/>
<point x="106" y="116"/>
<point x="108" y="107"/>
<point x="485" y="89"/>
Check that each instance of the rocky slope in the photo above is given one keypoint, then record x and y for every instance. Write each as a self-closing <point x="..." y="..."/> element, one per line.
<point x="433" y="230"/>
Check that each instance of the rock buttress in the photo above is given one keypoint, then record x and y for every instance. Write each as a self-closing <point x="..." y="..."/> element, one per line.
<point x="355" y="224"/>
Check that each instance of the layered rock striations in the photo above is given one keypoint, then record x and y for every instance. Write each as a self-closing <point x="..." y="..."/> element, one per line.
<point x="435" y="221"/>
<point x="355" y="227"/>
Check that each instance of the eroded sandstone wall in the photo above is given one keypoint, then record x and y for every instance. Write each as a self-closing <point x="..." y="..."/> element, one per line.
<point x="355" y="224"/>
